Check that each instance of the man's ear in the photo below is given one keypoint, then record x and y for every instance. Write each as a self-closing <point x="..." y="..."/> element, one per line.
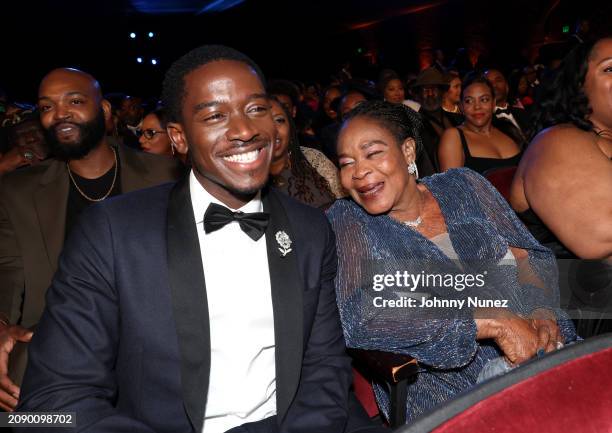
<point x="409" y="150"/>
<point x="107" y="109"/>
<point x="177" y="136"/>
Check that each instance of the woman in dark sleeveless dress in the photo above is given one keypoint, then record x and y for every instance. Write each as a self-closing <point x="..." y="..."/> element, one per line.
<point x="478" y="143"/>
<point x="562" y="189"/>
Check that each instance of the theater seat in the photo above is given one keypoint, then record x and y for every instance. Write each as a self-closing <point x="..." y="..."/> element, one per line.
<point x="566" y="391"/>
<point x="501" y="178"/>
<point x="395" y="370"/>
<point x="364" y="393"/>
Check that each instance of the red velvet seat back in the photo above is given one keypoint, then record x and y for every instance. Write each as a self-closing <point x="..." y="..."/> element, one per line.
<point x="572" y="397"/>
<point x="364" y="393"/>
<point x="501" y="178"/>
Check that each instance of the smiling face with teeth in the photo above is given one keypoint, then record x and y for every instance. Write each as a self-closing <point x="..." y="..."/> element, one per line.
<point x="373" y="167"/>
<point x="227" y="127"/>
<point x="72" y="112"/>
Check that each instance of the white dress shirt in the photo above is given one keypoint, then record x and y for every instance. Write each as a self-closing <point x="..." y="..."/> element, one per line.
<point x="242" y="384"/>
<point x="508" y="116"/>
<point x="412" y="104"/>
<point x="135" y="129"/>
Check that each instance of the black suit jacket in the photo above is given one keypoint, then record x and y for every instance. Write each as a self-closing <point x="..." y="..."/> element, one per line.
<point x="33" y="206"/>
<point x="124" y="340"/>
<point x="522" y="118"/>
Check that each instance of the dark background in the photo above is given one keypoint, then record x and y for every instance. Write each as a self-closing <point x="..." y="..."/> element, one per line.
<point x="306" y="40"/>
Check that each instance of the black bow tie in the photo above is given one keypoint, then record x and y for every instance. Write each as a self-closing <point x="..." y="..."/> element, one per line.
<point x="503" y="111"/>
<point x="253" y="224"/>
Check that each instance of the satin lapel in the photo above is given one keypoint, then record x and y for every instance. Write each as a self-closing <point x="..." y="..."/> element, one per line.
<point x="287" y="292"/>
<point x="50" y="201"/>
<point x="190" y="306"/>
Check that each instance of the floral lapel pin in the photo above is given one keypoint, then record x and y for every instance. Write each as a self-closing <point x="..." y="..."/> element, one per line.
<point x="285" y="243"/>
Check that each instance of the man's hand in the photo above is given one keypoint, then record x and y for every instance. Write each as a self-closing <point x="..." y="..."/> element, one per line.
<point x="13" y="159"/>
<point x="9" y="336"/>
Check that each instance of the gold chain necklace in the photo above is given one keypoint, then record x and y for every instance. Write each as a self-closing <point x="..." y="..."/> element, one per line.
<point x="107" y="192"/>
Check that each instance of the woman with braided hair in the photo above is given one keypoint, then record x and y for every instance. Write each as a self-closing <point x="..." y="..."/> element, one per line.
<point x="407" y="249"/>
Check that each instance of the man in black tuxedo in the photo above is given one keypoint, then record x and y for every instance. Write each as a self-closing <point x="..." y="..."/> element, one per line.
<point x="518" y="117"/>
<point x="206" y="305"/>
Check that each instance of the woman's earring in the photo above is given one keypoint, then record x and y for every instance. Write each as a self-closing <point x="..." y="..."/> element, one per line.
<point x="413" y="170"/>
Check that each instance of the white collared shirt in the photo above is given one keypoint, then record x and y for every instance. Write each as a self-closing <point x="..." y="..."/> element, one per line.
<point x="508" y="116"/>
<point x="412" y="104"/>
<point x="242" y="384"/>
<point x="135" y="129"/>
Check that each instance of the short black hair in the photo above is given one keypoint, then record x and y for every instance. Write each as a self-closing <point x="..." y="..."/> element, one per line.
<point x="285" y="87"/>
<point x="173" y="88"/>
<point x="162" y="116"/>
<point x="476" y="77"/>
<point x="498" y="68"/>
<point x="401" y="121"/>
<point x="345" y="95"/>
<point x="386" y="79"/>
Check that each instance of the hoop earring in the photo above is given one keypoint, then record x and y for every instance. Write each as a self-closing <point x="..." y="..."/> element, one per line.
<point x="413" y="170"/>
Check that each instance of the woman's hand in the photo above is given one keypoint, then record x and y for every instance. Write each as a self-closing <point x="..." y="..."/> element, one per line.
<point x="516" y="336"/>
<point x="519" y="340"/>
<point x="545" y="323"/>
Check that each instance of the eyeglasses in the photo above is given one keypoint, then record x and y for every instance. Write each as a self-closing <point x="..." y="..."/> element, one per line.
<point x="150" y="133"/>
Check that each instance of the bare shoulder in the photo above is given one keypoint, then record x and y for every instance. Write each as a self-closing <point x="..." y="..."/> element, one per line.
<point x="555" y="156"/>
<point x="450" y="135"/>
<point x="561" y="143"/>
<point x="565" y="178"/>
<point x="450" y="141"/>
<point x="450" y="153"/>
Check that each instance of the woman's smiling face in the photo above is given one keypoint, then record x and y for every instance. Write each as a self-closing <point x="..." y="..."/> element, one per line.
<point x="373" y="165"/>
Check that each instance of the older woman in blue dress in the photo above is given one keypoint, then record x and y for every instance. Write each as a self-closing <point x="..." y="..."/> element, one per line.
<point x="449" y="241"/>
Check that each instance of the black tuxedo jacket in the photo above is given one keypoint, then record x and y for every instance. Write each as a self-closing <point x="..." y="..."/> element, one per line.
<point x="522" y="119"/>
<point x="124" y="340"/>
